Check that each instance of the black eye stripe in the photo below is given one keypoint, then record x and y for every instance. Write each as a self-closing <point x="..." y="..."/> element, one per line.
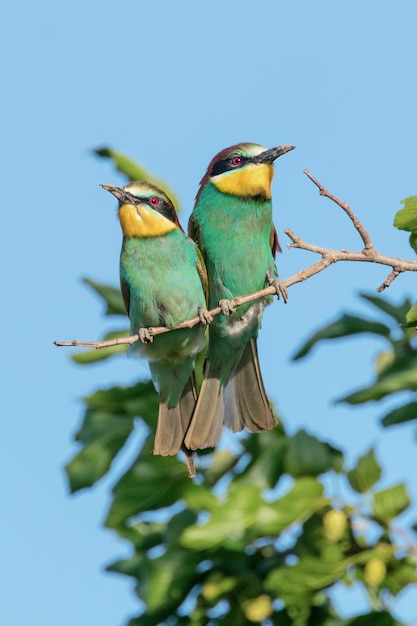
<point x="164" y="209"/>
<point x="225" y="165"/>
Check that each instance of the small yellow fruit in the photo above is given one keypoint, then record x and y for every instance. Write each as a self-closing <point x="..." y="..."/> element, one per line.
<point x="259" y="608"/>
<point x="334" y="524"/>
<point x="211" y="590"/>
<point x="375" y="571"/>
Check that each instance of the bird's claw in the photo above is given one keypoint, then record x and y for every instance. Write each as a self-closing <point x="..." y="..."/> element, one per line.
<point x="226" y="307"/>
<point x="279" y="286"/>
<point x="204" y="316"/>
<point x="145" y="335"/>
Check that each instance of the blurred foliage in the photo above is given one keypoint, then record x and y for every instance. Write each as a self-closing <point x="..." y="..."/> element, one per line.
<point x="133" y="171"/>
<point x="406" y="219"/>
<point x="262" y="535"/>
<point x="395" y="366"/>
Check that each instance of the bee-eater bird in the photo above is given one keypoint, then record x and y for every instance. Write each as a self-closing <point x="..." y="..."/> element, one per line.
<point x="232" y="225"/>
<point x="163" y="282"/>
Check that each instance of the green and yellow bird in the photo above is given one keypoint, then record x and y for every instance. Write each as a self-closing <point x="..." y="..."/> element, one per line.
<point x="232" y="225"/>
<point x="163" y="282"/>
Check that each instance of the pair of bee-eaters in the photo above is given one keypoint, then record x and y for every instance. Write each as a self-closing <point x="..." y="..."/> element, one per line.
<point x="167" y="277"/>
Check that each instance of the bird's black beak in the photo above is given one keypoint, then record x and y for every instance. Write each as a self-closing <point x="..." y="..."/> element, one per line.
<point x="123" y="196"/>
<point x="115" y="191"/>
<point x="270" y="155"/>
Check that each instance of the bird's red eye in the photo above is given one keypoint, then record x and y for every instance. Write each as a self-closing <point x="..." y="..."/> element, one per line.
<point x="236" y="160"/>
<point x="154" y="200"/>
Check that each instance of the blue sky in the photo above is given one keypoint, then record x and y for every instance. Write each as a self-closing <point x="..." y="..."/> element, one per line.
<point x="171" y="84"/>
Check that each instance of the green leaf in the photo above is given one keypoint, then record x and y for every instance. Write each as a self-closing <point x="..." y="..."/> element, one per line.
<point x="308" y="456"/>
<point x="167" y="581"/>
<point x="413" y="241"/>
<point x="406" y="218"/>
<point x="345" y="326"/>
<point x="222" y="461"/>
<point x="309" y="575"/>
<point x="397" y="312"/>
<point x="216" y="586"/>
<point x="143" y="536"/>
<point x="402" y="376"/>
<point x="123" y="164"/>
<point x="229" y="521"/>
<point x="138" y="400"/>
<point x="390" y="503"/>
<point x="299" y="504"/>
<point x="400" y="573"/>
<point x="176" y="525"/>
<point x="94" y="356"/>
<point x="366" y="473"/>
<point x="103" y="435"/>
<point x="162" y="582"/>
<point x="107" y="424"/>
<point x="201" y="498"/>
<point x="374" y="618"/>
<point x="402" y="414"/>
<point x="134" y="171"/>
<point x="267" y="451"/>
<point x="111" y="296"/>
<point x="151" y="482"/>
<point x="411" y="316"/>
<point x="245" y="515"/>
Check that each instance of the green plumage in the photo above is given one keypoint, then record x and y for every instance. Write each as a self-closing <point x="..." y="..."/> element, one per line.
<point x="234" y="236"/>
<point x="232" y="225"/>
<point x="160" y="274"/>
<point x="163" y="282"/>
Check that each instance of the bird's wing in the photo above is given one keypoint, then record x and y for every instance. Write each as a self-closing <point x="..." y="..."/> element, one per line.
<point x="125" y="294"/>
<point x="194" y="233"/>
<point x="273" y="239"/>
<point x="202" y="272"/>
<point x="194" y="230"/>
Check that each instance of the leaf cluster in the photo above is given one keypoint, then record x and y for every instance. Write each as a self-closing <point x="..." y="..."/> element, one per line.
<point x="256" y="537"/>
<point x="395" y="365"/>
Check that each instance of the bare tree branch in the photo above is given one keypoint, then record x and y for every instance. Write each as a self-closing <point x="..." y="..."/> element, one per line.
<point x="368" y="254"/>
<point x="345" y="206"/>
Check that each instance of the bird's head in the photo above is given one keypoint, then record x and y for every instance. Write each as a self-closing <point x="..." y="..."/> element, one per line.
<point x="144" y="210"/>
<point x="245" y="170"/>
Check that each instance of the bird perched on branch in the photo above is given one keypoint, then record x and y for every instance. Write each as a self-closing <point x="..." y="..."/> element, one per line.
<point x="232" y="225"/>
<point x="163" y="282"/>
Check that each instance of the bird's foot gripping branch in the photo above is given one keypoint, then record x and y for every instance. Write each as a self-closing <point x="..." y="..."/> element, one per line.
<point x="280" y="288"/>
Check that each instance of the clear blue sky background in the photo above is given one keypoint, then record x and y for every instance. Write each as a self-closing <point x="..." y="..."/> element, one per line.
<point x="171" y="83"/>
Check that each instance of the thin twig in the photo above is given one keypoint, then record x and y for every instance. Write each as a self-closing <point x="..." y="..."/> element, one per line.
<point x="345" y="206"/>
<point x="369" y="254"/>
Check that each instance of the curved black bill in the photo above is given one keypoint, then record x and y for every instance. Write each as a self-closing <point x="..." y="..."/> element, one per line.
<point x="273" y="153"/>
<point x="121" y="194"/>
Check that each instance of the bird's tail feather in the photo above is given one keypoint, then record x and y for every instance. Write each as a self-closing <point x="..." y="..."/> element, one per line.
<point x="246" y="403"/>
<point x="173" y="423"/>
<point x="243" y="403"/>
<point x="206" y="425"/>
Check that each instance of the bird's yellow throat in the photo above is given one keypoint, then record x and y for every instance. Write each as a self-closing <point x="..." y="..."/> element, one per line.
<point x="141" y="221"/>
<point x="251" y="180"/>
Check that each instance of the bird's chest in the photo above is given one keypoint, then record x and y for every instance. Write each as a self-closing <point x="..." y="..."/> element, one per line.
<point x="237" y="252"/>
<point x="163" y="283"/>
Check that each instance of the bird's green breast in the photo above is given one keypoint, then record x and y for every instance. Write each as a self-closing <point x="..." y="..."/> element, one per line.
<point x="235" y="240"/>
<point x="164" y="286"/>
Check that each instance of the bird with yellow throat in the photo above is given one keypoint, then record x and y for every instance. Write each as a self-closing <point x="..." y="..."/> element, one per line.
<point x="232" y="225"/>
<point x="163" y="282"/>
